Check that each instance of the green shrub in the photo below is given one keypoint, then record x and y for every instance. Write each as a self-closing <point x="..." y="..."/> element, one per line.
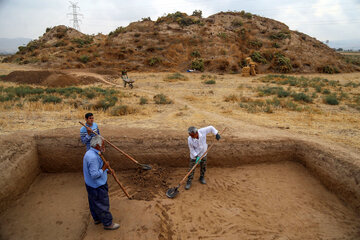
<point x="258" y="57"/>
<point x="176" y="76"/>
<point x="84" y="58"/>
<point x="117" y="31"/>
<point x="329" y="69"/>
<point x="122" y="110"/>
<point x="195" y="54"/>
<point x="326" y="91"/>
<point x="60" y="44"/>
<point x="186" y="21"/>
<point x="154" y="61"/>
<point x="83" y="41"/>
<point x="248" y="15"/>
<point x="255" y="43"/>
<point x="35" y="98"/>
<point x="105" y="103"/>
<point x="283" y="63"/>
<point x="197" y="64"/>
<point x="162" y="99"/>
<point x="318" y="89"/>
<point x="210" y="82"/>
<point x="275" y="45"/>
<point x="292" y="106"/>
<point x="283" y="93"/>
<point x="8" y="97"/>
<point x="301" y="97"/>
<point x="101" y="105"/>
<point x="197" y="13"/>
<point x="143" y="100"/>
<point x="236" y="23"/>
<point x="51" y="99"/>
<point x="280" y="35"/>
<point x="32" y="45"/>
<point x="22" y="91"/>
<point x="331" y="100"/>
<point x="222" y="35"/>
<point x="352" y="84"/>
<point x="89" y="95"/>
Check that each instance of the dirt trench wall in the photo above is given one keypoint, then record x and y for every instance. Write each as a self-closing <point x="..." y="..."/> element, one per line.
<point x="19" y="167"/>
<point x="61" y="150"/>
<point x="338" y="170"/>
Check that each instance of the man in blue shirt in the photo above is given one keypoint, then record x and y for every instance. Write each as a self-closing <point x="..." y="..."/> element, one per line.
<point x="86" y="132"/>
<point x="95" y="175"/>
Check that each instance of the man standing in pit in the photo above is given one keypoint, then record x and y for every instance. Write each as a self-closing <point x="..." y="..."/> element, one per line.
<point x="86" y="132"/>
<point x="95" y="176"/>
<point x="198" y="146"/>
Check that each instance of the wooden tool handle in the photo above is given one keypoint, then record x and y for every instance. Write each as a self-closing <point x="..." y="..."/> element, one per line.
<point x="115" y="177"/>
<point x="124" y="153"/>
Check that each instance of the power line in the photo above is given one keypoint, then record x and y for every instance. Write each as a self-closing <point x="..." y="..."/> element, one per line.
<point x="75" y="15"/>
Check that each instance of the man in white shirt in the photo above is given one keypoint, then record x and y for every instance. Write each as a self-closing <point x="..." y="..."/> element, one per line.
<point x="198" y="146"/>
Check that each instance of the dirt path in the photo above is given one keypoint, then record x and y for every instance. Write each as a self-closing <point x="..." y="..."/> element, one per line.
<point x="95" y="75"/>
<point x="264" y="201"/>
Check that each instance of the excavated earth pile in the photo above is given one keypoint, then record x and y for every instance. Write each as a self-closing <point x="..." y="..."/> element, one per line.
<point x="269" y="188"/>
<point x="48" y="78"/>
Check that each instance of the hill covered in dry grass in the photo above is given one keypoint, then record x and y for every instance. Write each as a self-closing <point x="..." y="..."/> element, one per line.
<point x="176" y="42"/>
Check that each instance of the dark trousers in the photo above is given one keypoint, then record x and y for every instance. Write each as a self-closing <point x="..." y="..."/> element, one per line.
<point x="202" y="168"/>
<point x="99" y="204"/>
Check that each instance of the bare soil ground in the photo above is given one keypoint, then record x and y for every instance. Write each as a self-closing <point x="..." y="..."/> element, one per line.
<point x="263" y="201"/>
<point x="196" y="103"/>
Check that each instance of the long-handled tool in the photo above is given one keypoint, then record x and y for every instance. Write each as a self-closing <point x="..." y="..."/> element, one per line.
<point x="143" y="166"/>
<point x="114" y="175"/>
<point x="172" y="192"/>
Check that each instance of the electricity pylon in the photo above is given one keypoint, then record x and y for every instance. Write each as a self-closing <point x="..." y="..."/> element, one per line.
<point x="75" y="15"/>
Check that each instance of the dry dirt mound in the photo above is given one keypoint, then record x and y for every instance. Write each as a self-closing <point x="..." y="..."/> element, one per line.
<point x="48" y="78"/>
<point x="176" y="42"/>
<point x="149" y="183"/>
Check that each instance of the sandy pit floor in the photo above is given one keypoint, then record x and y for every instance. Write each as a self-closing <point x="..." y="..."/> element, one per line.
<point x="263" y="201"/>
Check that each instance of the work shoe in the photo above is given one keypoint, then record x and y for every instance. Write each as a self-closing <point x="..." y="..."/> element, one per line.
<point x="113" y="226"/>
<point x="188" y="185"/>
<point x="202" y="180"/>
<point x="97" y="222"/>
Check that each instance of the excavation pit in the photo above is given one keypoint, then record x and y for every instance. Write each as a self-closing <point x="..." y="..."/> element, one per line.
<point x="257" y="188"/>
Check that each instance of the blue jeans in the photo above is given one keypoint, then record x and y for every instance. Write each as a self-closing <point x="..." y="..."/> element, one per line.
<point x="99" y="204"/>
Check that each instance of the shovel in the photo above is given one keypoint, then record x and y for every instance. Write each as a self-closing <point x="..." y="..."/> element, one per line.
<point x="143" y="166"/>
<point x="172" y="192"/>
<point x="116" y="179"/>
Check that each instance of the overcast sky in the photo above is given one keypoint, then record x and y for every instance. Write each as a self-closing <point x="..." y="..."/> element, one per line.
<point x="324" y="19"/>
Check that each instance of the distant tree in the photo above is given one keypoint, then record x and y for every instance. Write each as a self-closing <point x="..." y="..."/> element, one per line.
<point x="197" y="13"/>
<point x="339" y="49"/>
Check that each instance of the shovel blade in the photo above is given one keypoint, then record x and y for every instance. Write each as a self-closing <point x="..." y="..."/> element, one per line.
<point x="146" y="167"/>
<point x="172" y="192"/>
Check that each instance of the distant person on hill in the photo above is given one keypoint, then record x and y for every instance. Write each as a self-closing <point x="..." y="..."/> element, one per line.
<point x="126" y="79"/>
<point x="198" y="146"/>
<point x="95" y="176"/>
<point x="86" y="133"/>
